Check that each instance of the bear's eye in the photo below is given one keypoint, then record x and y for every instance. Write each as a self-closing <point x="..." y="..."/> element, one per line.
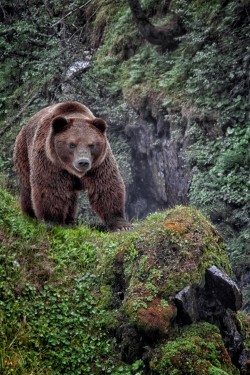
<point x="92" y="146"/>
<point x="72" y="146"/>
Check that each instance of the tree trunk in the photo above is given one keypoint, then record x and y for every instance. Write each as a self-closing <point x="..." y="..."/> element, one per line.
<point x="164" y="36"/>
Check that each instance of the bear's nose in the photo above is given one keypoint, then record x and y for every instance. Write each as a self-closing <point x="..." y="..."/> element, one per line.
<point x="83" y="164"/>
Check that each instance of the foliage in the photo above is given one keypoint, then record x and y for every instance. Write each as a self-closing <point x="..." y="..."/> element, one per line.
<point x="64" y="329"/>
<point x="222" y="181"/>
<point x="20" y="68"/>
<point x="244" y="320"/>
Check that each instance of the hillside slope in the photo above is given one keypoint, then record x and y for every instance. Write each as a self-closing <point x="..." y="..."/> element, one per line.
<point x="78" y="301"/>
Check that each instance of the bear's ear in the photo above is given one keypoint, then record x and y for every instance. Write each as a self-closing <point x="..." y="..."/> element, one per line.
<point x="100" y="124"/>
<point x="59" y="124"/>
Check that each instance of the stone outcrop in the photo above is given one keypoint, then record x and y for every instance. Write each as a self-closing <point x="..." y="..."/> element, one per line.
<point x="160" y="175"/>
<point x="215" y="302"/>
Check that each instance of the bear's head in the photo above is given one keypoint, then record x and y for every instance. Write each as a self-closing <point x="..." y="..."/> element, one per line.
<point x="77" y="144"/>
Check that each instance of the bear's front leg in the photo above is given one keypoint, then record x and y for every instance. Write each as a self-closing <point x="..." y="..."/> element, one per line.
<point x="71" y="217"/>
<point x="53" y="193"/>
<point x="117" y="222"/>
<point x="106" y="193"/>
<point x="48" y="205"/>
<point x="108" y="205"/>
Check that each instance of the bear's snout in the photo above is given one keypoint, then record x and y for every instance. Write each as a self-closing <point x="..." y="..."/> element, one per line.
<point x="82" y="165"/>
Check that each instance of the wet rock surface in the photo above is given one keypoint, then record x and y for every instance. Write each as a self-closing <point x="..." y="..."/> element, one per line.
<point x="160" y="175"/>
<point x="223" y="288"/>
<point x="215" y="302"/>
<point x="244" y="362"/>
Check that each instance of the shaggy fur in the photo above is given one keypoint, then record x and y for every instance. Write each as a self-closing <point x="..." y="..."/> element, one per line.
<point x="61" y="150"/>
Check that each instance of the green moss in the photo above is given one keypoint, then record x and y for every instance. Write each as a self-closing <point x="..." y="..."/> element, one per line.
<point x="199" y="350"/>
<point x="63" y="290"/>
<point x="182" y="237"/>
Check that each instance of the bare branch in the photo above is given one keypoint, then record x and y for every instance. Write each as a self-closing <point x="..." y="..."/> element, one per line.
<point x="72" y="11"/>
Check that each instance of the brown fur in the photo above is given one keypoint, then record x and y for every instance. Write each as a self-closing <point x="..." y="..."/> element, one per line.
<point x="61" y="150"/>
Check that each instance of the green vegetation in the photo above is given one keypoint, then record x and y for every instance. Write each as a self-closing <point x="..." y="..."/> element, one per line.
<point x="59" y="303"/>
<point x="51" y="322"/>
<point x="198" y="350"/>
<point x="59" y="306"/>
<point x="244" y="320"/>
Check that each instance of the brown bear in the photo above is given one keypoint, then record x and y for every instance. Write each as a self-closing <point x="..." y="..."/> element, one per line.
<point x="61" y="150"/>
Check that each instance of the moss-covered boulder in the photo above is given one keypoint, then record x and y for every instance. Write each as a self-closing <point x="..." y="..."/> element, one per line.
<point x="167" y="252"/>
<point x="76" y="300"/>
<point x="198" y="349"/>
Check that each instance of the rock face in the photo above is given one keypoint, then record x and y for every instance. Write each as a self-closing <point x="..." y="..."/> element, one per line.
<point x="216" y="302"/>
<point x="223" y="288"/>
<point x="197" y="303"/>
<point x="160" y="176"/>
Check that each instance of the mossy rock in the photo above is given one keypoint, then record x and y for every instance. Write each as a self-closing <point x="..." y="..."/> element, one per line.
<point x="167" y="252"/>
<point x="199" y="350"/>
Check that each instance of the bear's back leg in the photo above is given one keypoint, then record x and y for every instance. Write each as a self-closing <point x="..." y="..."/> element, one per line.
<point x="21" y="163"/>
<point x="26" y="204"/>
